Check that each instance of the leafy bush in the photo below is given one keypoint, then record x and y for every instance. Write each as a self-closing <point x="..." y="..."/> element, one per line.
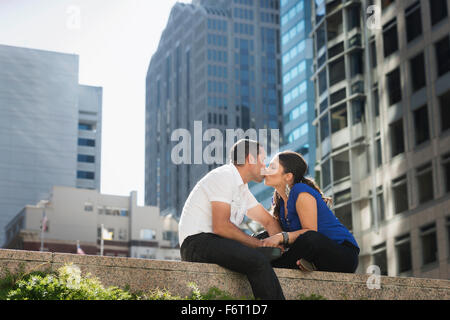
<point x="66" y="284"/>
<point x="212" y="294"/>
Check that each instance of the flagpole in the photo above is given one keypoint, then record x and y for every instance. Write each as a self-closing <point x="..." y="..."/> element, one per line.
<point x="101" y="241"/>
<point x="42" y="230"/>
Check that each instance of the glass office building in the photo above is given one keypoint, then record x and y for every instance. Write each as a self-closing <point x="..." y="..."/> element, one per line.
<point x="298" y="89"/>
<point x="218" y="62"/>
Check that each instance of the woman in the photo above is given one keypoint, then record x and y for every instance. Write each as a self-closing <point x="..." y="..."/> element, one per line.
<point x="315" y="237"/>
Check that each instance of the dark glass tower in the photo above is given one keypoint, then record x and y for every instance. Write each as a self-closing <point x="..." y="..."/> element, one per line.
<point x="218" y="62"/>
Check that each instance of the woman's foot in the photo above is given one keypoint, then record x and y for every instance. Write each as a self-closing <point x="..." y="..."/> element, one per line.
<point x="306" y="265"/>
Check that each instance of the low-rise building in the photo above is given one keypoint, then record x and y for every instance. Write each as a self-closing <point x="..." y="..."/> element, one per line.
<point x="73" y="215"/>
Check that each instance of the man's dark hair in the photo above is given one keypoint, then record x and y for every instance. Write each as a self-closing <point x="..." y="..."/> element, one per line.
<point x="241" y="149"/>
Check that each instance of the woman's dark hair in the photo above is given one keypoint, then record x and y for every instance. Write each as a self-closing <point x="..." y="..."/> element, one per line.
<point x="294" y="163"/>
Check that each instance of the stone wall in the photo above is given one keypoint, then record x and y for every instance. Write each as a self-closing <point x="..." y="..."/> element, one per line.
<point x="143" y="274"/>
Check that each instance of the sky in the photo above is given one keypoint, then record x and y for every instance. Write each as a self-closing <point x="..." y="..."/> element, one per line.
<point x="115" y="40"/>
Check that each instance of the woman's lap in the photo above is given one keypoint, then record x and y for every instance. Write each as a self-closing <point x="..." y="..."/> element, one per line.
<point x="326" y="254"/>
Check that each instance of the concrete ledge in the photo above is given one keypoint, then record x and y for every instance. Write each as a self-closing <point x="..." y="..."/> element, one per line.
<point x="144" y="274"/>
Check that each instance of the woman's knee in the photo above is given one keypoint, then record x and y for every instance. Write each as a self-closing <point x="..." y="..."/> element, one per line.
<point x="310" y="238"/>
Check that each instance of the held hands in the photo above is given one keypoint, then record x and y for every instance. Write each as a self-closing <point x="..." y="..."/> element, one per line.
<point x="274" y="241"/>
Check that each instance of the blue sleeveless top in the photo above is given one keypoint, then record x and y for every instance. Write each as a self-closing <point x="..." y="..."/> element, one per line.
<point x="327" y="223"/>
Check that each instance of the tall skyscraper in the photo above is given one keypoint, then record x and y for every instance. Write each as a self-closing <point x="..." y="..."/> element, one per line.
<point x="297" y="87"/>
<point x="382" y="101"/>
<point x="49" y="128"/>
<point x="217" y="62"/>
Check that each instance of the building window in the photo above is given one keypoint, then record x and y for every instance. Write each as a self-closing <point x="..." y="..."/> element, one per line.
<point x="335" y="25"/>
<point x="320" y="37"/>
<point x="443" y="55"/>
<point x="341" y="166"/>
<point x="337" y="71"/>
<point x="356" y="63"/>
<point x="339" y="118"/>
<point x="376" y="102"/>
<point x="344" y="215"/>
<point x="85" y="175"/>
<point x="123" y="234"/>
<point x="322" y="82"/>
<point x="397" y="139"/>
<point x="296" y="112"/>
<point x="358" y="110"/>
<point x="400" y="193"/>
<point x="413" y="21"/>
<point x="297" y="133"/>
<point x="417" y="67"/>
<point x="429" y="243"/>
<point x="335" y="50"/>
<point x="421" y="125"/>
<point x="379" y="258"/>
<point x="394" y="86"/>
<point x="324" y="127"/>
<point x="304" y="150"/>
<point x="86" y="158"/>
<point x="326" y="174"/>
<point x="88" y="207"/>
<point x="386" y="3"/>
<point x="373" y="53"/>
<point x="147" y="234"/>
<point x="444" y="102"/>
<point x="403" y="249"/>
<point x="354" y="17"/>
<point x="438" y="10"/>
<point x="424" y="175"/>
<point x="390" y="38"/>
<point x="85" y="126"/>
<point x="379" y="153"/>
<point x="446" y="169"/>
<point x="334" y="98"/>
<point x="86" y="142"/>
<point x="380" y="205"/>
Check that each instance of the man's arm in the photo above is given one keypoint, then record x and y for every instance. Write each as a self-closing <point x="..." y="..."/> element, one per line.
<point x="223" y="226"/>
<point x="261" y="215"/>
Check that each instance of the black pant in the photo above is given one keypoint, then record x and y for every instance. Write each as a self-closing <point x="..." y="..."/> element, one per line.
<point x="233" y="255"/>
<point x="326" y="254"/>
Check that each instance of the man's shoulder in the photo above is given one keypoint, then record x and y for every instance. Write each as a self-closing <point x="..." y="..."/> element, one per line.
<point x="224" y="171"/>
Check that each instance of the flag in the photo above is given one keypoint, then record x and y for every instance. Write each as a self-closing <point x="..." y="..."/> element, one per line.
<point x="79" y="250"/>
<point x="44" y="222"/>
<point x="106" y="235"/>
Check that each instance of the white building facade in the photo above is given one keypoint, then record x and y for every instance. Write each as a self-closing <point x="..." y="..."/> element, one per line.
<point x="75" y="214"/>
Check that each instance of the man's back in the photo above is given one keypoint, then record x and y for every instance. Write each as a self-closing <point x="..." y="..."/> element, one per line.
<point x="222" y="184"/>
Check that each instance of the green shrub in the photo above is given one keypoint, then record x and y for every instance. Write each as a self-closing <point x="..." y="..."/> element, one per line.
<point x="212" y="294"/>
<point x="159" y="294"/>
<point x="66" y="284"/>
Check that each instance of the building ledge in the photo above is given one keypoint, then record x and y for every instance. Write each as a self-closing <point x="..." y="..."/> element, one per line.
<point x="144" y="274"/>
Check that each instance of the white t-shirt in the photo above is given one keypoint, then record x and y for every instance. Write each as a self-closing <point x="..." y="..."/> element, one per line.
<point x="222" y="184"/>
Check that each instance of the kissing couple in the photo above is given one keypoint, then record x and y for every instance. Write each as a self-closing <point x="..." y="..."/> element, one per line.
<point x="300" y="221"/>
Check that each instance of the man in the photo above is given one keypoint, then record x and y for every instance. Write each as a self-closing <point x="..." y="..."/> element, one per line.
<point x="208" y="228"/>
